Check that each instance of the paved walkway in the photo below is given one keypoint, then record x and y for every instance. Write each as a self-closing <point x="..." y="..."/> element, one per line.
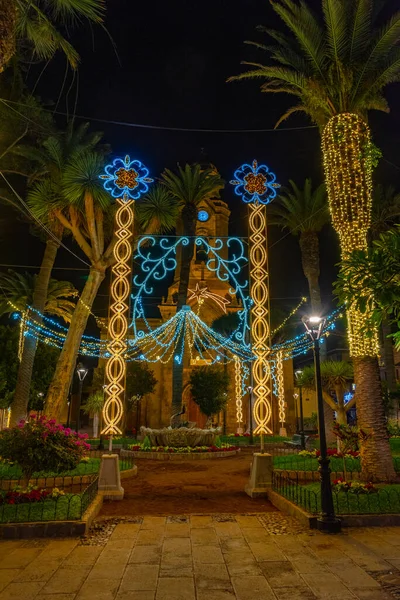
<point x="205" y="558"/>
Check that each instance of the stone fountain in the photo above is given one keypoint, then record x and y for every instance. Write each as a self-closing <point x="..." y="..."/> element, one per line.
<point x="181" y="436"/>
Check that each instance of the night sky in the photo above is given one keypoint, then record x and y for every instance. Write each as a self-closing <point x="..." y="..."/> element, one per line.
<point x="173" y="61"/>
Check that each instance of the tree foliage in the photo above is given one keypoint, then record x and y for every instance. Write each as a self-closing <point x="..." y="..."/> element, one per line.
<point x="371" y="279"/>
<point x="336" y="60"/>
<point x="44" y="366"/>
<point x="140" y="380"/>
<point x="209" y="386"/>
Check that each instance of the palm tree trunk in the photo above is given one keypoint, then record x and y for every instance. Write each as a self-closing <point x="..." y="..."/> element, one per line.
<point x="189" y="215"/>
<point x="8" y="20"/>
<point x="346" y="146"/>
<point x="388" y="356"/>
<point x="376" y="458"/>
<point x="19" y="405"/>
<point x="58" y="390"/>
<point x="309" y="246"/>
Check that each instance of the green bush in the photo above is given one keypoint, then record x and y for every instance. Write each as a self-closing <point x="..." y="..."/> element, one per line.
<point x="42" y="445"/>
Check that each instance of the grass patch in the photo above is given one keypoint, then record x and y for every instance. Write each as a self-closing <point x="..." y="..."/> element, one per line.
<point x="64" y="508"/>
<point x="244" y="440"/>
<point x="91" y="467"/>
<point x="385" y="501"/>
<point x="395" y="445"/>
<point x="294" y="462"/>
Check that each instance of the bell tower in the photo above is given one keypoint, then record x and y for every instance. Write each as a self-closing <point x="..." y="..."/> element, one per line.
<point x="212" y="222"/>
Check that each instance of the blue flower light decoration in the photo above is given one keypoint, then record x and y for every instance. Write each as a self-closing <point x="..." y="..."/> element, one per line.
<point x="255" y="183"/>
<point x="126" y="178"/>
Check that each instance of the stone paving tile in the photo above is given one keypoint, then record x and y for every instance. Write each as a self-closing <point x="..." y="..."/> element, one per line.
<point x="140" y="578"/>
<point x="150" y="555"/>
<point x="114" y="571"/>
<point x="216" y="595"/>
<point x="244" y="568"/>
<point x="249" y="588"/>
<point x="248" y="521"/>
<point x="152" y="522"/>
<point x="66" y="580"/>
<point x="83" y="556"/>
<point x="125" y="531"/>
<point x="38" y="570"/>
<point x="280" y="574"/>
<point x="176" y="547"/>
<point x="371" y="594"/>
<point x="266" y="551"/>
<point x="177" y="530"/>
<point x="57" y="596"/>
<point x="327" y="585"/>
<point x="22" y="591"/>
<point x="151" y="537"/>
<point x="211" y="577"/>
<point x="229" y="530"/>
<point x="204" y="536"/>
<point x="101" y="589"/>
<point x="299" y="593"/>
<point x="308" y="565"/>
<point x="135" y="595"/>
<point x="201" y="521"/>
<point x="234" y="545"/>
<point x="175" y="588"/>
<point x="7" y="576"/>
<point x="352" y="575"/>
<point x="207" y="554"/>
<point x="20" y="558"/>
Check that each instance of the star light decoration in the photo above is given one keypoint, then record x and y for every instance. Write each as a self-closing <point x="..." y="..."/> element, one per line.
<point x="126" y="178"/>
<point x="255" y="183"/>
<point x="201" y="294"/>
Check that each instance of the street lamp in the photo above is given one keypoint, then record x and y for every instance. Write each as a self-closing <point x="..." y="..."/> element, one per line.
<point x="298" y="374"/>
<point x="250" y="390"/>
<point x="81" y="371"/>
<point x="327" y="522"/>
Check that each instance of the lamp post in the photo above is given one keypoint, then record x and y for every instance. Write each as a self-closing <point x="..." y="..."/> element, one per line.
<point x="250" y="390"/>
<point x="298" y="375"/>
<point x="81" y="371"/>
<point x="327" y="522"/>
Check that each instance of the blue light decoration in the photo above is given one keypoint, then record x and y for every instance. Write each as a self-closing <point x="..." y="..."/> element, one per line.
<point x="156" y="268"/>
<point x="255" y="183"/>
<point x="203" y="216"/>
<point x="348" y="396"/>
<point x="126" y="178"/>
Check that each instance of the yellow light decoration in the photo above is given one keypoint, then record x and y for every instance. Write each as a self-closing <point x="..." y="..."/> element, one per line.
<point x="201" y="294"/>
<point x="280" y="387"/>
<point x="290" y="315"/>
<point x="346" y="146"/>
<point x="238" y="393"/>
<point x="118" y="325"/>
<point x="260" y="331"/>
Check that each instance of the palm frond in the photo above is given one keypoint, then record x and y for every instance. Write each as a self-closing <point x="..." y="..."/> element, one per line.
<point x="360" y="29"/>
<point x="335" y="15"/>
<point x="158" y="210"/>
<point x="83" y="176"/>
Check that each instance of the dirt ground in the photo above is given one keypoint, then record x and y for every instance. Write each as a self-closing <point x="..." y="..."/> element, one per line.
<point x="188" y="487"/>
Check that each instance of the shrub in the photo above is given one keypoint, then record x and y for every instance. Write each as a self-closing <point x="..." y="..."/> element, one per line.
<point x="393" y="428"/>
<point x="42" y="445"/>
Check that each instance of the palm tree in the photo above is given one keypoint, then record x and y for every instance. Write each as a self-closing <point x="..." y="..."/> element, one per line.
<point x="19" y="290"/>
<point x="304" y="213"/>
<point x="157" y="211"/>
<point x="34" y="25"/>
<point x="85" y="211"/>
<point x="226" y="325"/>
<point x="385" y="214"/>
<point x="336" y="376"/>
<point x="49" y="162"/>
<point x="190" y="186"/>
<point x="337" y="65"/>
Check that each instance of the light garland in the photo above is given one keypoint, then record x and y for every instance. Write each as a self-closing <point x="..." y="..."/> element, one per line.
<point x="290" y="315"/>
<point x="346" y="146"/>
<point x="126" y="182"/>
<point x="238" y="394"/>
<point x="256" y="185"/>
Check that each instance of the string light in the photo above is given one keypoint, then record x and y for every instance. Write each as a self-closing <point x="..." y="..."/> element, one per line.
<point x="290" y="315"/>
<point x="238" y="393"/>
<point x="256" y="185"/>
<point x="126" y="180"/>
<point x="347" y="150"/>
